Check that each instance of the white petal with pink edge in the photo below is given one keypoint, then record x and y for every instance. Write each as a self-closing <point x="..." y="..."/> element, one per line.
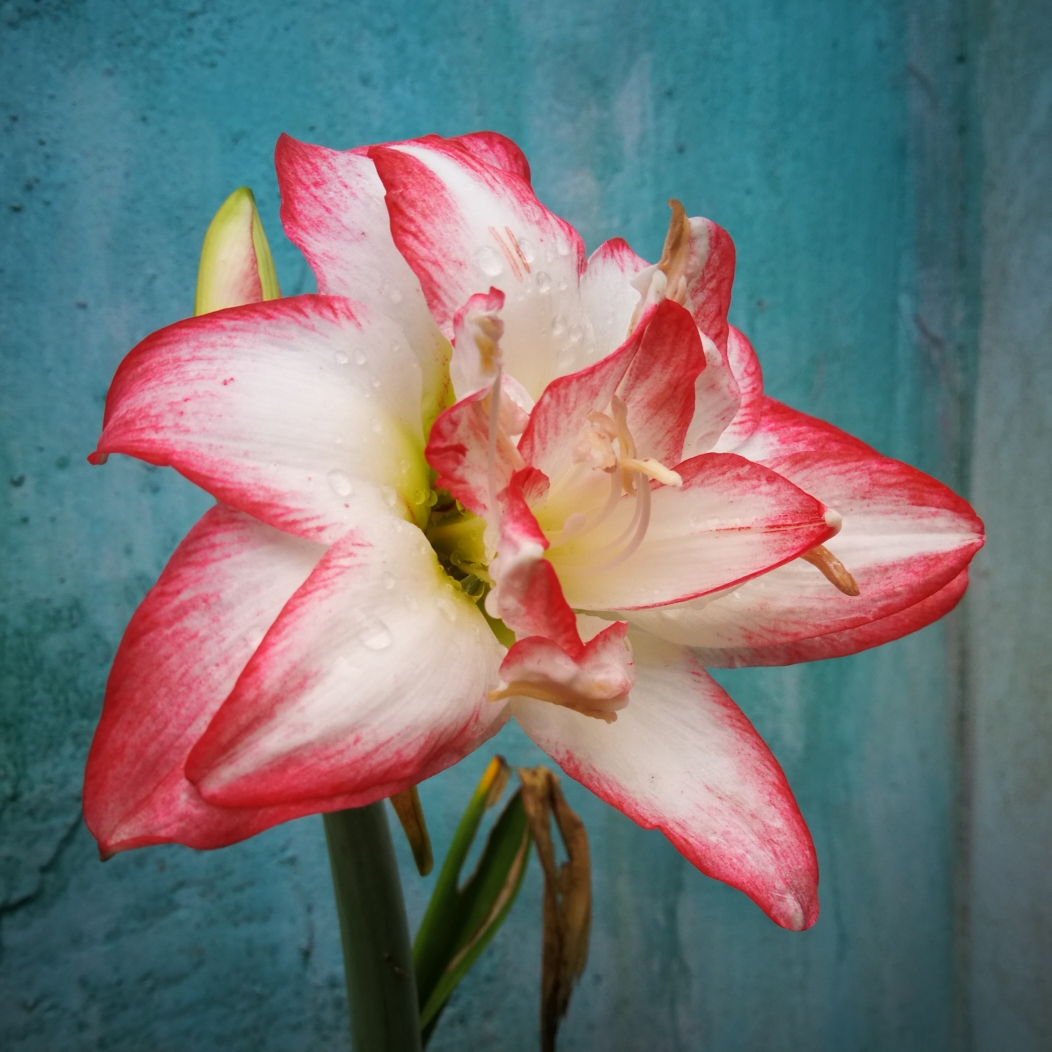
<point x="180" y="657"/>
<point x="904" y="537"/>
<point x="332" y="209"/>
<point x="748" y="376"/>
<point x="730" y="521"/>
<point x="374" y="677"/>
<point x="681" y="757"/>
<point x="464" y="225"/>
<point x="850" y="641"/>
<point x="608" y="298"/>
<point x="288" y="410"/>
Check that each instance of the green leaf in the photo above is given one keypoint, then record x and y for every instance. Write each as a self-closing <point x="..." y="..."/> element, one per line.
<point x="461" y="920"/>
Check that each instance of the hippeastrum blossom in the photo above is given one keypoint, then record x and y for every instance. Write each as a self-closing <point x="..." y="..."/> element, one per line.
<point x="479" y="477"/>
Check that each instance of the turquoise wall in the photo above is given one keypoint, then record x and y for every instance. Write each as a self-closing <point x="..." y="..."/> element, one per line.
<point x="883" y="167"/>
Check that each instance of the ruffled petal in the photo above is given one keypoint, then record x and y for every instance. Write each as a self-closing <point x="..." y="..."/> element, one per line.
<point x="609" y="299"/>
<point x="463" y="225"/>
<point x="497" y="150"/>
<point x="653" y="372"/>
<point x="712" y="276"/>
<point x="682" y="758"/>
<point x="850" y="641"/>
<point x="745" y="367"/>
<point x="287" y="410"/>
<point x="594" y="679"/>
<point x="180" y="657"/>
<point x="731" y="520"/>
<point x="332" y="208"/>
<point x="905" y="536"/>
<point x="373" y="678"/>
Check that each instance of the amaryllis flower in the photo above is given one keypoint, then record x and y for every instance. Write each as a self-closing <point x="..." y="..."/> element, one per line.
<point x="478" y="477"/>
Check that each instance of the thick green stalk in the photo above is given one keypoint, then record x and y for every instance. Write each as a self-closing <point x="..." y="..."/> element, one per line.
<point x="381" y="985"/>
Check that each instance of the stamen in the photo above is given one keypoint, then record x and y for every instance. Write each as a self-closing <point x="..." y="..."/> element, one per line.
<point x="494" y="431"/>
<point x="566" y="697"/>
<point x="653" y="469"/>
<point x="833" y="570"/>
<point x="676" y="253"/>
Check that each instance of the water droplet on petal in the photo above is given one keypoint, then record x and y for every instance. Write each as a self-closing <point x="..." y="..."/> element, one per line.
<point x="342" y="358"/>
<point x="529" y="253"/>
<point x="544" y="281"/>
<point x="359" y="358"/>
<point x="341" y="483"/>
<point x="376" y="426"/>
<point x="564" y="284"/>
<point x="396" y="295"/>
<point x="376" y="381"/>
<point x="558" y="325"/>
<point x="489" y="261"/>
<point x="388" y="580"/>
<point x="562" y="246"/>
<point x="373" y="633"/>
<point x="448" y="608"/>
<point x="390" y="497"/>
<point x="576" y="333"/>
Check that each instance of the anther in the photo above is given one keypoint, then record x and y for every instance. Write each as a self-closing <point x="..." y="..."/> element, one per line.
<point x="833" y="570"/>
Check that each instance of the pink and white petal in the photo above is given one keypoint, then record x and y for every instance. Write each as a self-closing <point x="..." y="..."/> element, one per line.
<point x="284" y="409"/>
<point x="850" y="641"/>
<point x="527" y="595"/>
<point x="653" y="372"/>
<point x="683" y="758"/>
<point x="608" y="299"/>
<point x="373" y="678"/>
<point x="333" y="210"/>
<point x="905" y="536"/>
<point x="458" y="450"/>
<point x="782" y="431"/>
<point x="745" y="366"/>
<point x="717" y="401"/>
<point x="656" y="389"/>
<point x="709" y="288"/>
<point x="497" y="150"/>
<point x="730" y="521"/>
<point x="594" y="679"/>
<point x="180" y="657"/>
<point x="464" y="225"/>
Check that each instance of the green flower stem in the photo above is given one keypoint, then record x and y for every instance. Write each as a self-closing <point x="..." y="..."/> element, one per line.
<point x="381" y="985"/>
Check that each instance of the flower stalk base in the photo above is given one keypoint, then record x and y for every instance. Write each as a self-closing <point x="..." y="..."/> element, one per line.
<point x="381" y="985"/>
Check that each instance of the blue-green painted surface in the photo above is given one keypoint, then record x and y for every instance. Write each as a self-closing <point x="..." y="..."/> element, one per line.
<point x="840" y="145"/>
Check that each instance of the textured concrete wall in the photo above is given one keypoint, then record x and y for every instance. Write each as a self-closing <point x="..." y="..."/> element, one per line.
<point x="832" y="141"/>
<point x="1011" y="611"/>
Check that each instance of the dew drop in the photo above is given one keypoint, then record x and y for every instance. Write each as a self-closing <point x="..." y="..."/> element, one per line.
<point x="529" y="253"/>
<point x="544" y="281"/>
<point x="564" y="284"/>
<point x="342" y="358"/>
<point x="341" y="483"/>
<point x="576" y="334"/>
<point x="359" y="358"/>
<point x="375" y="426"/>
<point x="489" y="261"/>
<point x="390" y="497"/>
<point x="396" y="295"/>
<point x="388" y="580"/>
<point x="558" y="325"/>
<point x="376" y="381"/>
<point x="372" y="632"/>
<point x="421" y="497"/>
<point x="448" y="608"/>
<point x="562" y="246"/>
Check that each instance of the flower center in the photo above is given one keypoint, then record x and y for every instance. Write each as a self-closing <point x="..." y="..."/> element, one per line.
<point x="606" y="445"/>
